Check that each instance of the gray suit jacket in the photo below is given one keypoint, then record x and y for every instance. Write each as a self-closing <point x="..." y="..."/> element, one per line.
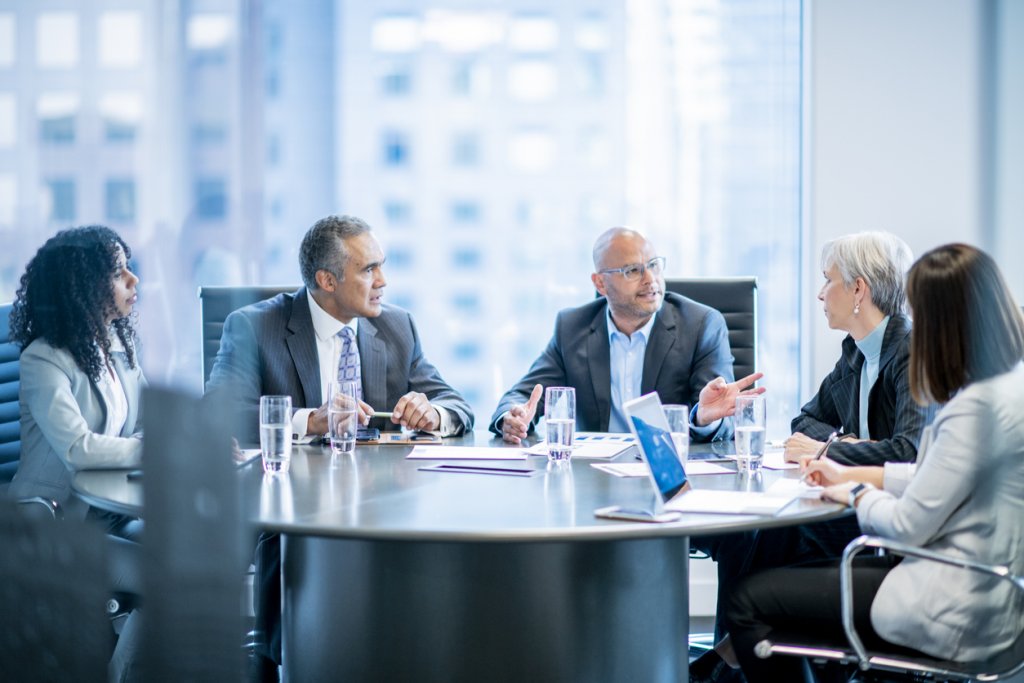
<point x="965" y="500"/>
<point x="62" y="415"/>
<point x="689" y="347"/>
<point x="270" y="348"/>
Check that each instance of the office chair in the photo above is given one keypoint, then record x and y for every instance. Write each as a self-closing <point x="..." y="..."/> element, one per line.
<point x="1005" y="665"/>
<point x="10" y="419"/>
<point x="736" y="299"/>
<point x="53" y="586"/>
<point x="216" y="303"/>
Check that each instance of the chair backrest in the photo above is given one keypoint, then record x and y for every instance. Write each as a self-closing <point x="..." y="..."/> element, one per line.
<point x="736" y="299"/>
<point x="53" y="588"/>
<point x="216" y="303"/>
<point x="10" y="418"/>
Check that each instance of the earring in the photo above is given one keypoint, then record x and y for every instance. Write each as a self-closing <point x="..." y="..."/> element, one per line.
<point x="856" y="309"/>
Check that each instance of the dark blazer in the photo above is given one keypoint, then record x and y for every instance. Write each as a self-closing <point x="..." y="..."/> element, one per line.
<point x="894" y="418"/>
<point x="270" y="348"/>
<point x="688" y="347"/>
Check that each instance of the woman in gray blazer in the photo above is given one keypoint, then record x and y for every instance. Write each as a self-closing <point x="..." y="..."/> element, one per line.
<point x="963" y="497"/>
<point x="80" y="377"/>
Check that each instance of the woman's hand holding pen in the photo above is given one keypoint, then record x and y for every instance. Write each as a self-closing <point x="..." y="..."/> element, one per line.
<point x="823" y="472"/>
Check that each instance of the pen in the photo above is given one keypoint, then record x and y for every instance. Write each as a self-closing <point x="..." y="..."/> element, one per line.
<point x="821" y="451"/>
<point x="382" y="413"/>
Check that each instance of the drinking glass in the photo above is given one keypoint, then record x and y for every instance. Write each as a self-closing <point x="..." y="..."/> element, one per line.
<point x="678" y="417"/>
<point x="750" y="433"/>
<point x="276" y="433"/>
<point x="560" y="418"/>
<point x="342" y="417"/>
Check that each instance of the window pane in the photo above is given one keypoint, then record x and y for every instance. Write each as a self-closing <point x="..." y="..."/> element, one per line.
<point x="531" y="150"/>
<point x="57" y="112"/>
<point x="208" y="31"/>
<point x="533" y="34"/>
<point x="121" y="201"/>
<point x="57" y="40"/>
<point x="120" y="40"/>
<point x="8" y="120"/>
<point x="396" y="34"/>
<point x="465" y="149"/>
<point x="395" y="149"/>
<point x="8" y="48"/>
<point x="532" y="80"/>
<point x="121" y="114"/>
<point x="8" y="199"/>
<point x="62" y="200"/>
<point x="211" y="199"/>
<point x="396" y="80"/>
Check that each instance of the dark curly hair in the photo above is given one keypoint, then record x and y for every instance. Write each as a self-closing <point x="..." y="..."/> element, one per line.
<point x="66" y="297"/>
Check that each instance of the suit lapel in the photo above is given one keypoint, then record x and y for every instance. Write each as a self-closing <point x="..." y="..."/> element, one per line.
<point x="301" y="343"/>
<point x="599" y="365"/>
<point x="663" y="338"/>
<point x="373" y="361"/>
<point x="846" y="392"/>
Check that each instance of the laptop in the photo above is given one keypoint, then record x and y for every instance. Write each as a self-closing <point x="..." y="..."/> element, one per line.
<point x="665" y="471"/>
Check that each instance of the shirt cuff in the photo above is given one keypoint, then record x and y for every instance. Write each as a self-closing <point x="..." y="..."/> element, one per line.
<point x="448" y="424"/>
<point x="705" y="431"/>
<point x="300" y="418"/>
<point x="896" y="476"/>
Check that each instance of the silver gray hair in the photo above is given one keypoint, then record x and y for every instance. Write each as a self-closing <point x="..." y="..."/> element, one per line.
<point x="881" y="258"/>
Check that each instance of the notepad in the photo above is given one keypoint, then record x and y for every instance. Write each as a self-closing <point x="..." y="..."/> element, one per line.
<point x="586" y="449"/>
<point x="465" y="453"/>
<point x="730" y="502"/>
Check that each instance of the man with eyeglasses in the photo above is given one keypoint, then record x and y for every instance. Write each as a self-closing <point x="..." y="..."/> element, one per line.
<point x="634" y="340"/>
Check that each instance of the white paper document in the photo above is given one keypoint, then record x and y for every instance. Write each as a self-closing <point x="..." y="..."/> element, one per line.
<point x="639" y="469"/>
<point x="465" y="453"/>
<point x="794" y="487"/>
<point x="774" y="459"/>
<point x="730" y="502"/>
<point x="586" y="449"/>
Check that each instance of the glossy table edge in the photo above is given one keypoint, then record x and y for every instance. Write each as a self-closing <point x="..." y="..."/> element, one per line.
<point x="111" y="490"/>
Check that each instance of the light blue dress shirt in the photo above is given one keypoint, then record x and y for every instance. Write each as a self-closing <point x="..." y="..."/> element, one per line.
<point x="871" y="347"/>
<point x="627" y="369"/>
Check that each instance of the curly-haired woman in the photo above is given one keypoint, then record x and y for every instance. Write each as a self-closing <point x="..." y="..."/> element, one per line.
<point x="80" y="378"/>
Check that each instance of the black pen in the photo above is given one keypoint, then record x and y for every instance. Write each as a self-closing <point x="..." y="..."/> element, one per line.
<point x="821" y="451"/>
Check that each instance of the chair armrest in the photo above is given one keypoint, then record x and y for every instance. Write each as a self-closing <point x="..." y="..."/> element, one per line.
<point x="41" y="508"/>
<point x="861" y="543"/>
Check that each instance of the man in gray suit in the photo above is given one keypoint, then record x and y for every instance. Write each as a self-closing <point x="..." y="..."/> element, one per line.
<point x="634" y="340"/>
<point x="294" y="344"/>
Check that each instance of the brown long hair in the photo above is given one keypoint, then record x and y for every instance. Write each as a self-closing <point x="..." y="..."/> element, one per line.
<point x="967" y="327"/>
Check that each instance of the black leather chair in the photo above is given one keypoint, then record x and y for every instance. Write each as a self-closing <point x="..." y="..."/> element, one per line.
<point x="1003" y="666"/>
<point x="216" y="303"/>
<point x="736" y="299"/>
<point x="10" y="420"/>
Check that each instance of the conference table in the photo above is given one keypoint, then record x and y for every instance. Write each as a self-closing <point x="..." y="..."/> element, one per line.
<point x="394" y="573"/>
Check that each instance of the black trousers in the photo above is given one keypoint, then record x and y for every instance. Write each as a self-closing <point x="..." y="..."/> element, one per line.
<point x="803" y="603"/>
<point x="742" y="554"/>
<point x="267" y="597"/>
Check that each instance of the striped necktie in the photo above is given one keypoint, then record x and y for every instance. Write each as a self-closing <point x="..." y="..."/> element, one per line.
<point x="348" y="361"/>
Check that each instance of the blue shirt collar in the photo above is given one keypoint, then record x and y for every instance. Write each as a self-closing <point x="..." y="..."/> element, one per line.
<point x="871" y="345"/>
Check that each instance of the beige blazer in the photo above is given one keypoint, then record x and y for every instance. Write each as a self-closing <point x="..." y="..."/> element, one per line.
<point x="62" y="415"/>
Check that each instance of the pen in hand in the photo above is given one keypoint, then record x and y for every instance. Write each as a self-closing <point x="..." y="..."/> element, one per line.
<point x="821" y="452"/>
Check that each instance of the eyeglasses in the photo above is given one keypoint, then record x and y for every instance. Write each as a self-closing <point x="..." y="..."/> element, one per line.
<point x="635" y="271"/>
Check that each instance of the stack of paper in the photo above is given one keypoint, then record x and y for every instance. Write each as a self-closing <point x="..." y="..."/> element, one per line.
<point x="730" y="502"/>
<point x="586" y="449"/>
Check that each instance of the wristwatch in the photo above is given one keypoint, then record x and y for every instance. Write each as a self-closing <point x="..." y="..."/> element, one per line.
<point x="856" y="491"/>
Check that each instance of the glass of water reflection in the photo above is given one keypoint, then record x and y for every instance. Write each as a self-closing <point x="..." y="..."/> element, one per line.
<point x="342" y="417"/>
<point x="276" y="433"/>
<point x="560" y="418"/>
<point x="678" y="417"/>
<point x="750" y="433"/>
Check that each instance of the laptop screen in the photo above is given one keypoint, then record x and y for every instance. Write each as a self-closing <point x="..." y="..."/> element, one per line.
<point x="647" y="422"/>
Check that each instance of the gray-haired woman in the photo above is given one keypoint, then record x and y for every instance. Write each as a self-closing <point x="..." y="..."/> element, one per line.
<point x="866" y="398"/>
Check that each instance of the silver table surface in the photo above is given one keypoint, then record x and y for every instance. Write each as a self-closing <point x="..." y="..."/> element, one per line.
<point x="378" y="493"/>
